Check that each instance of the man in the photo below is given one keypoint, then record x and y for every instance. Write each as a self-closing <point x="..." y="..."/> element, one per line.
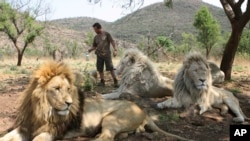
<point x="101" y="45"/>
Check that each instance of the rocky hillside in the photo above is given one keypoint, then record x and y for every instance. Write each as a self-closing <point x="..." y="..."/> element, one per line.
<point x="153" y="20"/>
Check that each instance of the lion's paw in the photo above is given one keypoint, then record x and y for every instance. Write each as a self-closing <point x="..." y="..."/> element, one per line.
<point x="160" y="106"/>
<point x="202" y="110"/>
<point x="238" y="119"/>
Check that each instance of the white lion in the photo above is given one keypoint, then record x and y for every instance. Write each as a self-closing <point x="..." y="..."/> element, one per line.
<point x="193" y="86"/>
<point x="218" y="76"/>
<point x="139" y="76"/>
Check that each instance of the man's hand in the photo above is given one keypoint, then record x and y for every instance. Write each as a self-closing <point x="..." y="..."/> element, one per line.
<point x="115" y="53"/>
<point x="91" y="49"/>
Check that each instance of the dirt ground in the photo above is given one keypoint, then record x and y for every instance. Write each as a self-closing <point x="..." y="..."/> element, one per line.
<point x="208" y="127"/>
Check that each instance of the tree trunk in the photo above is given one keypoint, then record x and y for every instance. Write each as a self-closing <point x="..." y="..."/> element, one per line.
<point x="230" y="51"/>
<point x="19" y="58"/>
<point x="19" y="55"/>
<point x="207" y="52"/>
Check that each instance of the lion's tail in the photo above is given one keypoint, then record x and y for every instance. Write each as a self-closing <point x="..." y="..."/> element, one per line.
<point x="155" y="128"/>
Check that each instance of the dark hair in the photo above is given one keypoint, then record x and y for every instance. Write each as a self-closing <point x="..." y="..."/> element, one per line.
<point x="97" y="25"/>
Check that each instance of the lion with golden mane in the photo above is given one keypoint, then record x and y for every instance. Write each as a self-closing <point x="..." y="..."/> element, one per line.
<point x="52" y="108"/>
<point x="139" y="76"/>
<point x="193" y="86"/>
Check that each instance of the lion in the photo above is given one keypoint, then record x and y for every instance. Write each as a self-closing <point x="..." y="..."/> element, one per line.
<point x="193" y="85"/>
<point x="53" y="108"/>
<point x="140" y="76"/>
<point x="218" y="76"/>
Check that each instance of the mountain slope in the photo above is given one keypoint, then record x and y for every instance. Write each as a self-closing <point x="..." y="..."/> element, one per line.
<point x="153" y="20"/>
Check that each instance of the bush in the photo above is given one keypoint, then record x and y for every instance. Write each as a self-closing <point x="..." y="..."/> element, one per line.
<point x="244" y="46"/>
<point x="88" y="84"/>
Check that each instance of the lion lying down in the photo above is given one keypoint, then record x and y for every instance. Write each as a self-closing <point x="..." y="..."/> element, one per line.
<point x="140" y="77"/>
<point x="51" y="108"/>
<point x="193" y="85"/>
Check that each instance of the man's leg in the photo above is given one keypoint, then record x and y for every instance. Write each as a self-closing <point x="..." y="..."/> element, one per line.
<point x="113" y="74"/>
<point x="114" y="78"/>
<point x="99" y="66"/>
<point x="101" y="73"/>
<point x="110" y="67"/>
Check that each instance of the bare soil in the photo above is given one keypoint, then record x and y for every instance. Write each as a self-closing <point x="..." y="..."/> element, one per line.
<point x="209" y="127"/>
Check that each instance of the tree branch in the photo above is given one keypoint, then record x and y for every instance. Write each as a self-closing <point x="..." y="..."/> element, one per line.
<point x="231" y="2"/>
<point x="237" y="9"/>
<point x="18" y="5"/>
<point x="19" y="31"/>
<point x="228" y="9"/>
<point x="240" y="2"/>
<point x="246" y="15"/>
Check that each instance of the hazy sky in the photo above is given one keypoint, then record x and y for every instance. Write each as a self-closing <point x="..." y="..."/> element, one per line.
<point x="108" y="10"/>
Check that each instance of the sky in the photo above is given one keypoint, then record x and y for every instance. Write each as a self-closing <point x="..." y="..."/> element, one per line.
<point x="108" y="10"/>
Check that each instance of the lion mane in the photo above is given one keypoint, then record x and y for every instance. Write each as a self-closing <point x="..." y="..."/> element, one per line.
<point x="34" y="112"/>
<point x="193" y="86"/>
<point x="53" y="108"/>
<point x="139" y="76"/>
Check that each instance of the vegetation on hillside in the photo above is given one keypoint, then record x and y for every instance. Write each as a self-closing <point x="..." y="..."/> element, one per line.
<point x="154" y="20"/>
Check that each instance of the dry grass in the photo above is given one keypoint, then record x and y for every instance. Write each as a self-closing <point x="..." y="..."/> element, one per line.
<point x="241" y="67"/>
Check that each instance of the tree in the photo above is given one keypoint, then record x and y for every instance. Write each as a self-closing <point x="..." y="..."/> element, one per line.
<point x="208" y="29"/>
<point x="238" y="20"/>
<point x="188" y="41"/>
<point x="165" y="42"/>
<point x="20" y="26"/>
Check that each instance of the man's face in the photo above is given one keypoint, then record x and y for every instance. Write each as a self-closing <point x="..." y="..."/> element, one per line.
<point x="97" y="31"/>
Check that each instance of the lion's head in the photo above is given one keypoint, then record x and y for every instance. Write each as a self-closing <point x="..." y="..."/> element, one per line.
<point x="196" y="71"/>
<point x="51" y="101"/>
<point x="193" y="80"/>
<point x="129" y="58"/>
<point x="59" y="95"/>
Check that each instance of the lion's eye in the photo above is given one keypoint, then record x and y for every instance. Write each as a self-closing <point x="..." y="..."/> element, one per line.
<point x="68" y="89"/>
<point x="57" y="88"/>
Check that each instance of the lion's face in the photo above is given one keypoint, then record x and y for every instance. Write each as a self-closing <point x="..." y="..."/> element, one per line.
<point x="198" y="72"/>
<point x="127" y="61"/>
<point x="59" y="95"/>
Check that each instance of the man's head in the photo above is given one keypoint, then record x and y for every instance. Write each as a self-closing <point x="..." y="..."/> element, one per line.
<point x="97" y="28"/>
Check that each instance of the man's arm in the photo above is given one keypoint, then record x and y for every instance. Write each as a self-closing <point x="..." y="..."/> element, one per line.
<point x="94" y="45"/>
<point x="113" y="44"/>
<point x="114" y="47"/>
<point x="91" y="49"/>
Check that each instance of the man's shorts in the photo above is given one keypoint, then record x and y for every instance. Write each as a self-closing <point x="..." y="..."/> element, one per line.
<point x="104" y="60"/>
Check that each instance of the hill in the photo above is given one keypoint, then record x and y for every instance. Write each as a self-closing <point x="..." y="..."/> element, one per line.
<point x="152" y="20"/>
<point x="79" y="23"/>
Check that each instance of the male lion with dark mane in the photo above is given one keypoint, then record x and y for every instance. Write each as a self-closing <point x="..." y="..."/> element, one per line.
<point x="139" y="76"/>
<point x="52" y="108"/>
<point x="193" y="85"/>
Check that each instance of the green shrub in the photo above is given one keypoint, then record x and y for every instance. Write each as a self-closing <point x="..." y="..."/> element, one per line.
<point x="88" y="84"/>
<point x="13" y="68"/>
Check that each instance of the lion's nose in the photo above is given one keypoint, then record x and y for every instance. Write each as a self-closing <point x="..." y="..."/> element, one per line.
<point x="202" y="80"/>
<point x="68" y="103"/>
